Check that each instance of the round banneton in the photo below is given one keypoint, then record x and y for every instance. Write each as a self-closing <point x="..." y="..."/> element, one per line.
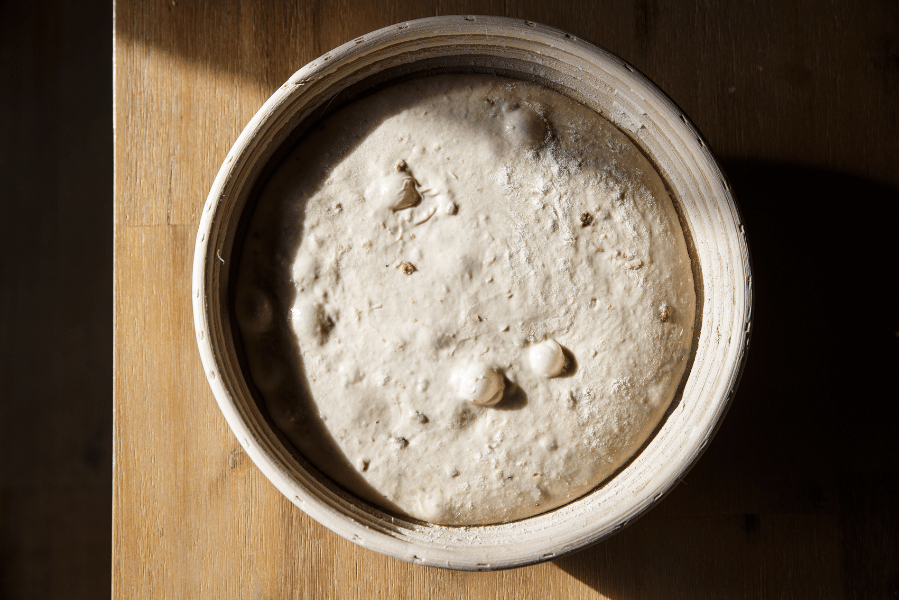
<point x="590" y="75"/>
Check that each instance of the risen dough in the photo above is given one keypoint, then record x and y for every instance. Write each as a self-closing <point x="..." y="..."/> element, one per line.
<point x="414" y="273"/>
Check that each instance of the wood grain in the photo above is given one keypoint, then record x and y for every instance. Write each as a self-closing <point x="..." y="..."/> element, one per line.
<point x="768" y="83"/>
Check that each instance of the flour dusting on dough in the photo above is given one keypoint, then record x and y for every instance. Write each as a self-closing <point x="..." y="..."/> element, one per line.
<point x="466" y="298"/>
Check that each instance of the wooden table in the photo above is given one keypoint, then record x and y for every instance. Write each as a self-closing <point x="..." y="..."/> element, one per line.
<point x="797" y="495"/>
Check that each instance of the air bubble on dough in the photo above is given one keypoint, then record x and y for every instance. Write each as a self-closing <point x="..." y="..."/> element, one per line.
<point x="480" y="384"/>
<point x="547" y="358"/>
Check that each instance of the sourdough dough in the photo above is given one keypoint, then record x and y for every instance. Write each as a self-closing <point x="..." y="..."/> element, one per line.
<point x="466" y="298"/>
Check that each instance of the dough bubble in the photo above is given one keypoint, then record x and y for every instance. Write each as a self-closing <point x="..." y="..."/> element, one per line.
<point x="526" y="128"/>
<point x="254" y="310"/>
<point x="547" y="358"/>
<point x="480" y="384"/>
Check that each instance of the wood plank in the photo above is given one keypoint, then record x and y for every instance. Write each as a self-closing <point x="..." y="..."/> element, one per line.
<point x="193" y="518"/>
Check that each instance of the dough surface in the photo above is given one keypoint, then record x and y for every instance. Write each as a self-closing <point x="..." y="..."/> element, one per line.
<point x="466" y="298"/>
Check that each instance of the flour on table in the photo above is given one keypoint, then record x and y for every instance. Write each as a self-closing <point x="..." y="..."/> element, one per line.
<point x="466" y="298"/>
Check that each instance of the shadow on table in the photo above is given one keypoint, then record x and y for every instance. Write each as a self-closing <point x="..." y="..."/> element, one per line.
<point x="56" y="300"/>
<point x="267" y="40"/>
<point x="798" y="491"/>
